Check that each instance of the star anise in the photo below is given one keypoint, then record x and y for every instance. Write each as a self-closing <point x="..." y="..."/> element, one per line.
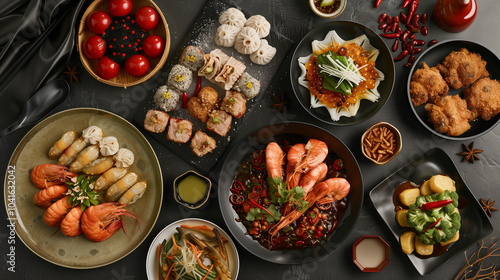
<point x="469" y="153"/>
<point x="280" y="103"/>
<point x="488" y="206"/>
<point x="72" y="73"/>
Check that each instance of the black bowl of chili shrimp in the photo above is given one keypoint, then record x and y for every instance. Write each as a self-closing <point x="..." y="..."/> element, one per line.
<point x="310" y="165"/>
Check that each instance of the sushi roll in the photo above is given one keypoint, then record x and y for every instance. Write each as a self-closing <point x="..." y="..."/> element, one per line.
<point x="248" y="86"/>
<point x="156" y="121"/>
<point x="179" y="130"/>
<point x="192" y="58"/>
<point x="167" y="98"/>
<point x="180" y="77"/>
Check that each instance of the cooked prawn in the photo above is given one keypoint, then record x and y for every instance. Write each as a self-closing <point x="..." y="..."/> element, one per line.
<point x="315" y="175"/>
<point x="316" y="153"/>
<point x="66" y="139"/>
<point x="101" y="221"/>
<point x="56" y="212"/>
<point x="336" y="188"/>
<point x="44" y="198"/>
<point x="274" y="160"/>
<point x="294" y="156"/>
<point x="71" y="225"/>
<point x="46" y="175"/>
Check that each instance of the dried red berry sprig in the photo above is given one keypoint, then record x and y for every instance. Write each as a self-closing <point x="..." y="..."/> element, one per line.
<point x="407" y="39"/>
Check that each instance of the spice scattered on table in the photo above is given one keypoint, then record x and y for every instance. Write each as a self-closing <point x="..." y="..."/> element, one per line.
<point x="469" y="153"/>
<point x="72" y="73"/>
<point x="280" y="102"/>
<point x="405" y="40"/>
<point x="488" y="206"/>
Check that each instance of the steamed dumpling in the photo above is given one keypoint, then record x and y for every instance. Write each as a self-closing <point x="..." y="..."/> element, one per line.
<point x="260" y="24"/>
<point x="247" y="41"/>
<point x="264" y="54"/>
<point x="124" y="158"/>
<point x="109" y="146"/>
<point x="226" y="35"/>
<point x="234" y="17"/>
<point x="92" y="135"/>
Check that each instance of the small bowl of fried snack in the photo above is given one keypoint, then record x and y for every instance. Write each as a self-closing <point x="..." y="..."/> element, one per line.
<point x="381" y="143"/>
<point x="454" y="91"/>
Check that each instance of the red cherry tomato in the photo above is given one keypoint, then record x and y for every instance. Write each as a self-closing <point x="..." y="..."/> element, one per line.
<point x="153" y="45"/>
<point x="94" y="47"/>
<point x="107" y="68"/>
<point x="146" y="17"/>
<point x="120" y="8"/>
<point x="137" y="65"/>
<point x="98" y="22"/>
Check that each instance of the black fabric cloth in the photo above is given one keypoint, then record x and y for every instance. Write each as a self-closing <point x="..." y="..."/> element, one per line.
<point x="37" y="38"/>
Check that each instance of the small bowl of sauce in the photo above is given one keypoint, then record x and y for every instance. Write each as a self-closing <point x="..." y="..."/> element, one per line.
<point x="371" y="253"/>
<point x="327" y="8"/>
<point x="191" y="189"/>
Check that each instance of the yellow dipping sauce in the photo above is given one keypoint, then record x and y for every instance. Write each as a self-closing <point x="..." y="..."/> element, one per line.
<point x="192" y="189"/>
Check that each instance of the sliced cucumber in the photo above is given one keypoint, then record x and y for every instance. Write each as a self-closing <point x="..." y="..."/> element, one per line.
<point x="327" y="3"/>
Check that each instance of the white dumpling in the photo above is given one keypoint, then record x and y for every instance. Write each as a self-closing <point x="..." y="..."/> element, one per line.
<point x="247" y="41"/>
<point x="260" y="24"/>
<point x="124" y="158"/>
<point x="92" y="135"/>
<point x="109" y="146"/>
<point x="234" y="17"/>
<point x="264" y="54"/>
<point x="226" y="35"/>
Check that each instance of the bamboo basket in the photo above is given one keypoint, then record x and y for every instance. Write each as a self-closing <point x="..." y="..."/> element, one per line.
<point x="123" y="79"/>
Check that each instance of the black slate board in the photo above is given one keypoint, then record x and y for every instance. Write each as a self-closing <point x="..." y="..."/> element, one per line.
<point x="202" y="35"/>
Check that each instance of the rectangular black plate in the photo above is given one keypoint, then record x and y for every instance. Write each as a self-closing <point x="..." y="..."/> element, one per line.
<point x="202" y="35"/>
<point x="475" y="223"/>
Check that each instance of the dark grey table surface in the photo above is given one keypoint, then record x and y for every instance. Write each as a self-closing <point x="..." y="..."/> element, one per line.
<point x="482" y="176"/>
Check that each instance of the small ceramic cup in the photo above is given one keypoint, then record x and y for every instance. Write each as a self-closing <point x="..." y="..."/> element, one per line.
<point x="371" y="253"/>
<point x="176" y="190"/>
<point x="335" y="13"/>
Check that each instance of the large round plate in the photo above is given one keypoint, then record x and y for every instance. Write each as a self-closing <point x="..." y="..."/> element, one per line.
<point x="152" y="267"/>
<point x="436" y="54"/>
<point x="294" y="131"/>
<point x="49" y="243"/>
<point x="347" y="30"/>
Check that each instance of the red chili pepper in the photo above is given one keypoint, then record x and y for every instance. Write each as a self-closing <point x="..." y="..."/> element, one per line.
<point x="257" y="190"/>
<point x="324" y="207"/>
<point x="299" y="243"/>
<point x="419" y="42"/>
<point x="313" y="217"/>
<point x="246" y="206"/>
<point x="260" y="206"/>
<point x="234" y="190"/>
<point x="256" y="167"/>
<point x="408" y="65"/>
<point x="300" y="231"/>
<point x="402" y="55"/>
<point x="390" y="35"/>
<point x="184" y="100"/>
<point x="378" y="3"/>
<point x="414" y="21"/>
<point x="411" y="59"/>
<point x="423" y="19"/>
<point x="395" y="45"/>
<point x="435" y="204"/>
<point x="413" y="9"/>
<point x="433" y="224"/>
<point x="394" y="25"/>
<point x="382" y="17"/>
<point x="338" y="164"/>
<point x="432" y="42"/>
<point x="238" y="185"/>
<point x="387" y="28"/>
<point x="236" y="199"/>
<point x="404" y="36"/>
<point x="406" y="3"/>
<point x="382" y="26"/>
<point x="402" y="16"/>
<point x="198" y="86"/>
<point x="264" y="193"/>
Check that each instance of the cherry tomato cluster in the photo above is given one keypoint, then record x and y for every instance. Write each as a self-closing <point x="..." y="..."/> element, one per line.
<point x="95" y="46"/>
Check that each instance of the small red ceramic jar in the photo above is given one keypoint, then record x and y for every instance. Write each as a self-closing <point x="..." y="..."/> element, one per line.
<point x="371" y="253"/>
<point x="454" y="15"/>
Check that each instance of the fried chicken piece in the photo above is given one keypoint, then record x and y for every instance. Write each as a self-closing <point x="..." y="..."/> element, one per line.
<point x="200" y="106"/>
<point x="483" y="98"/>
<point x="462" y="68"/>
<point x="426" y="85"/>
<point x="449" y="115"/>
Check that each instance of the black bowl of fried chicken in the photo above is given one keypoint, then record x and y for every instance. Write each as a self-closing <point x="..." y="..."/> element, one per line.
<point x="454" y="89"/>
